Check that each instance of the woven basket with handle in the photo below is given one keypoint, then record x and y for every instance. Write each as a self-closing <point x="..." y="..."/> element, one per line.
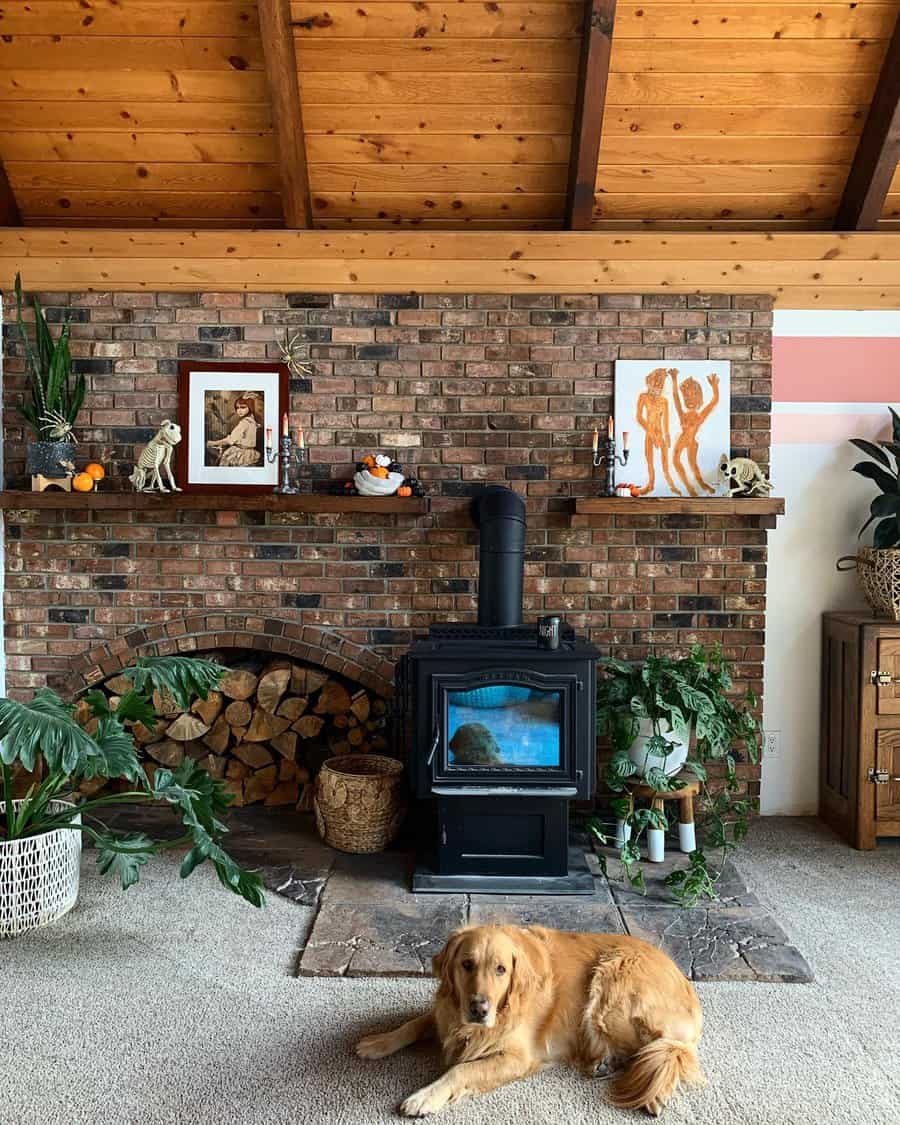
<point x="360" y="802"/>
<point x="879" y="576"/>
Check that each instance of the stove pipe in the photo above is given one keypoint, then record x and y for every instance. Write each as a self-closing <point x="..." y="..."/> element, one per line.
<point x="500" y="515"/>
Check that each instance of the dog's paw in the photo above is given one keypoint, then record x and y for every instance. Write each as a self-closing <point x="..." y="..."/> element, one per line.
<point x="376" y="1046"/>
<point x="430" y="1099"/>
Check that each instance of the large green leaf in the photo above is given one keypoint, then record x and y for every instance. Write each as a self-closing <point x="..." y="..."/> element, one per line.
<point x="124" y="855"/>
<point x="872" y="450"/>
<point x="887" y="534"/>
<point x="887" y="504"/>
<point x="886" y="481"/>
<point x="43" y="726"/>
<point x="115" y="755"/>
<point x="895" y="419"/>
<point x="182" y="676"/>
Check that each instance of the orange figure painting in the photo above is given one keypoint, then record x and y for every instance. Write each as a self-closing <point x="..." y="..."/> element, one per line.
<point x="692" y="414"/>
<point x="652" y="415"/>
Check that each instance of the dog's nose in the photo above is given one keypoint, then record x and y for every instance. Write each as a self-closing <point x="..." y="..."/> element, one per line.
<point x="479" y="1006"/>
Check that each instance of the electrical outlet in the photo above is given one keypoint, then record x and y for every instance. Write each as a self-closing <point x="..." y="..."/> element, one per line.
<point x="772" y="744"/>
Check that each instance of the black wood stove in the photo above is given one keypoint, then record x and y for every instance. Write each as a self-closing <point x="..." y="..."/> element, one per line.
<point x="501" y="733"/>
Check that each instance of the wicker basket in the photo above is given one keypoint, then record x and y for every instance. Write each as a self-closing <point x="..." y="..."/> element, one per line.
<point x="360" y="802"/>
<point x="879" y="577"/>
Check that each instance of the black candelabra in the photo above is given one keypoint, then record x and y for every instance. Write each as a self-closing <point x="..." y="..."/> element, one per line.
<point x="606" y="458"/>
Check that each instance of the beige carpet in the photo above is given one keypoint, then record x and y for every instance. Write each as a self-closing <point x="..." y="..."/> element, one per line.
<point x="174" y="1003"/>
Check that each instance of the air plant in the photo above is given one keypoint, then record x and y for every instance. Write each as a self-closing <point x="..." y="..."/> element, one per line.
<point x="289" y="347"/>
<point x="56" y="397"/>
<point x="884" y="471"/>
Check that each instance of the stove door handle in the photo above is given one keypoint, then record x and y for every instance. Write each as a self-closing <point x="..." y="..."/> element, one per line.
<point x="434" y="746"/>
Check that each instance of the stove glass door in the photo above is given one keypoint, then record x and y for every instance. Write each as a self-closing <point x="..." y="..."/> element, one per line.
<point x="504" y="725"/>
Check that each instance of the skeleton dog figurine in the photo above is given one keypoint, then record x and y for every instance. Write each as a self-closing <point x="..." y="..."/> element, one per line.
<point x="743" y="477"/>
<point x="154" y="457"/>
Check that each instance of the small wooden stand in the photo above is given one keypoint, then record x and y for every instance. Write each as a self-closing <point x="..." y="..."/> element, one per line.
<point x="656" y="838"/>
<point x="39" y="483"/>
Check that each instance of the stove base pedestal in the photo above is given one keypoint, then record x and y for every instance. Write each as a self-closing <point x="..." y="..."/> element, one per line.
<point x="492" y="843"/>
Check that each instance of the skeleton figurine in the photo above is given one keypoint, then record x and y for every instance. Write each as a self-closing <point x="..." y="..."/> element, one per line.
<point x="743" y="477"/>
<point x="154" y="457"/>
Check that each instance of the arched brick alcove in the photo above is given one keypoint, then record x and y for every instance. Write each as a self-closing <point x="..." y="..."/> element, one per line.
<point x="202" y="633"/>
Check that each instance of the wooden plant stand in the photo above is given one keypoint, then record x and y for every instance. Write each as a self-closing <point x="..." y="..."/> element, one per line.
<point x="656" y="838"/>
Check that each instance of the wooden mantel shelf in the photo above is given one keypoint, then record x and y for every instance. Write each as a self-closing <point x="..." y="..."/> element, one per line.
<point x="763" y="509"/>
<point x="211" y="501"/>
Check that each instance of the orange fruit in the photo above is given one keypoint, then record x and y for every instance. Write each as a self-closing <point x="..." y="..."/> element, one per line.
<point x="95" y="471"/>
<point x="83" y="482"/>
<point x="379" y="471"/>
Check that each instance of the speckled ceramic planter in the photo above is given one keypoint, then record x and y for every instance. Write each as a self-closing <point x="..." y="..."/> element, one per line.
<point x="46" y="458"/>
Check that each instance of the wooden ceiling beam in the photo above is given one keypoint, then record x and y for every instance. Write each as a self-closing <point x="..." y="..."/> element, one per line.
<point x="878" y="150"/>
<point x="593" y="75"/>
<point x="287" y="116"/>
<point x="9" y="209"/>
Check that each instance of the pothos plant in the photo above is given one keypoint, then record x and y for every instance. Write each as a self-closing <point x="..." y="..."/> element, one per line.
<point x="884" y="471"/>
<point x="45" y="735"/>
<point x="674" y="693"/>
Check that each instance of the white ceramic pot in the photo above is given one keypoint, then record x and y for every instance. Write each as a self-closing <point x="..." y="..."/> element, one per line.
<point x="38" y="876"/>
<point x="367" y="485"/>
<point x="678" y="738"/>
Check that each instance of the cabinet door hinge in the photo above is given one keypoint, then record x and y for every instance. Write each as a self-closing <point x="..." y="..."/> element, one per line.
<point x="883" y="679"/>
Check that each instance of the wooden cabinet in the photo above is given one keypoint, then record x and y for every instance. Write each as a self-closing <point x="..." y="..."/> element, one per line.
<point x="859" y="767"/>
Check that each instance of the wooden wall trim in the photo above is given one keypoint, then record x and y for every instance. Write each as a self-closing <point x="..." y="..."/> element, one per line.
<point x="878" y="150"/>
<point x="593" y="75"/>
<point x="287" y="117"/>
<point x="801" y="270"/>
<point x="9" y="209"/>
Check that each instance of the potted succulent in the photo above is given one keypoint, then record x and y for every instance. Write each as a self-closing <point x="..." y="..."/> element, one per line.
<point x="651" y="713"/>
<point x="54" y="397"/>
<point x="41" y="832"/>
<point x="878" y="566"/>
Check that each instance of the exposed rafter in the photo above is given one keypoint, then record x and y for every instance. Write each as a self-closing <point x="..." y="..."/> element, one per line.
<point x="287" y="118"/>
<point x="9" y="210"/>
<point x="878" y="151"/>
<point x="593" y="74"/>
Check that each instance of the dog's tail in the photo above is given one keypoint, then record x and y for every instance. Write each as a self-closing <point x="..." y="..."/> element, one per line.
<point x="655" y="1073"/>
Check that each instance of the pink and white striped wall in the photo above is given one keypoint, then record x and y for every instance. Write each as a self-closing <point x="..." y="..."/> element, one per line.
<point x="834" y="374"/>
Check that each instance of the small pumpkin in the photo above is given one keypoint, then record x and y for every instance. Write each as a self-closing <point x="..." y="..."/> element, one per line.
<point x="369" y="461"/>
<point x="379" y="471"/>
<point x="404" y="490"/>
<point x="95" y="471"/>
<point x="83" y="482"/>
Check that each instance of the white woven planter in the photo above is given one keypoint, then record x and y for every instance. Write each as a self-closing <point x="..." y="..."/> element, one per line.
<point x="38" y="876"/>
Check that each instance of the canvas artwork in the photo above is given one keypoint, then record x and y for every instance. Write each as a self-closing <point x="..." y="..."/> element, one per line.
<point x="229" y="414"/>
<point x="678" y="418"/>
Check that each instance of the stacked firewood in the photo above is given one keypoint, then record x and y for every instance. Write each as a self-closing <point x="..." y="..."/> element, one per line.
<point x="266" y="731"/>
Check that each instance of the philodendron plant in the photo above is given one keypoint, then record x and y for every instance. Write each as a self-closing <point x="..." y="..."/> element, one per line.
<point x="678" y="693"/>
<point x="884" y="471"/>
<point x="44" y="735"/>
<point x="55" y="397"/>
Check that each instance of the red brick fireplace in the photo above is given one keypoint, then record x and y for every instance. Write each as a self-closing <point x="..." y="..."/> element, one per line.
<point x="462" y="390"/>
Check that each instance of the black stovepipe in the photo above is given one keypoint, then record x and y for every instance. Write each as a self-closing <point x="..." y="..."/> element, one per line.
<point x="500" y="515"/>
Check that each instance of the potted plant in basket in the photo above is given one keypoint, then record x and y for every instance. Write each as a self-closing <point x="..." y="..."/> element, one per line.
<point x="878" y="566"/>
<point x="650" y="713"/>
<point x="40" y="833"/>
<point x="54" y="397"/>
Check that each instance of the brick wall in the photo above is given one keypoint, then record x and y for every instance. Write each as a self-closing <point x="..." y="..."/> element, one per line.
<point x="462" y="390"/>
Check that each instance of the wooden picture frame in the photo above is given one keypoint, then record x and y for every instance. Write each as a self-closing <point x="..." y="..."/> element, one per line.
<point x="220" y="432"/>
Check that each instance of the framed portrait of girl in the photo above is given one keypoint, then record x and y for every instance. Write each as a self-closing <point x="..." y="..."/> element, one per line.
<point x="230" y="414"/>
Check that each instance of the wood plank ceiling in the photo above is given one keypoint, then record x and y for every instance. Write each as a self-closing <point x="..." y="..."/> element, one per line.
<point x="730" y="115"/>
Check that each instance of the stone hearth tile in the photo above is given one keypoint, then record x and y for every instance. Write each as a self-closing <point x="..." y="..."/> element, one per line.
<point x="384" y="877"/>
<point x="288" y="881"/>
<point x="720" y="942"/>
<point x="398" y="939"/>
<point x="731" y="887"/>
<point x="558" y="912"/>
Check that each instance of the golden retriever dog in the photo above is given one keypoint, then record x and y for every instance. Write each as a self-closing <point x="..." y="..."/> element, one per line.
<point x="513" y="1000"/>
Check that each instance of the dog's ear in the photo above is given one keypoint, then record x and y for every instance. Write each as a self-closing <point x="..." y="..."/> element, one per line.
<point x="530" y="969"/>
<point x="442" y="964"/>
